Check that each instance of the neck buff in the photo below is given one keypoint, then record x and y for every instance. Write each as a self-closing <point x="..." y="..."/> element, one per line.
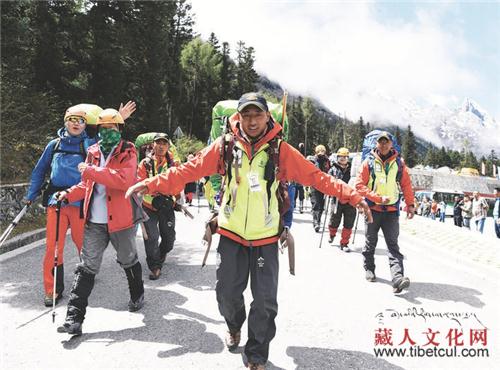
<point x="109" y="138"/>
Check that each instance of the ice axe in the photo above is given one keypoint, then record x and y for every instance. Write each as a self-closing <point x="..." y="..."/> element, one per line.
<point x="13" y="224"/>
<point x="287" y="241"/>
<point x="210" y="229"/>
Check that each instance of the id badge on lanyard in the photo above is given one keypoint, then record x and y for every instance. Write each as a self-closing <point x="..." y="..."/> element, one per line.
<point x="253" y="181"/>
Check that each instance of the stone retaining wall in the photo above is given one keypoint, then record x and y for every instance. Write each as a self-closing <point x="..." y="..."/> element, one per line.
<point x="12" y="201"/>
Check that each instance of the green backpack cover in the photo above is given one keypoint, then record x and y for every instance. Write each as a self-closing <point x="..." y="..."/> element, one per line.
<point x="148" y="138"/>
<point x="226" y="108"/>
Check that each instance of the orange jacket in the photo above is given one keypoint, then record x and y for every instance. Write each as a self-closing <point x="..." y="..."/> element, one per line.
<point x="117" y="176"/>
<point x="292" y="167"/>
<point x="405" y="183"/>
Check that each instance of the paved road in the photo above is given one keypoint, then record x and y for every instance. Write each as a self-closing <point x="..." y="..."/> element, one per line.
<point x="329" y="316"/>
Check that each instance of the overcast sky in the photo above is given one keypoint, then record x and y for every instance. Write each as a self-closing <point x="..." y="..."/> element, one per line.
<point x="357" y="56"/>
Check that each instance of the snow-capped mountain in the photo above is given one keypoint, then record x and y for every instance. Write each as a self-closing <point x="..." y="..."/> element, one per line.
<point x="468" y="125"/>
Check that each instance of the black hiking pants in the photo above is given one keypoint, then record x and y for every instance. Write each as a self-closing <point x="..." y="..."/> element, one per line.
<point x="318" y="205"/>
<point x="389" y="223"/>
<point x="237" y="263"/>
<point x="160" y="223"/>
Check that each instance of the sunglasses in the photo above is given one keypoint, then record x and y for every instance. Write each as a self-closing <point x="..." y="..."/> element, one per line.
<point x="79" y="120"/>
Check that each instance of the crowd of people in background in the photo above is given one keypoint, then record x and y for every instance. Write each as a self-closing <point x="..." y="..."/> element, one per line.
<point x="469" y="212"/>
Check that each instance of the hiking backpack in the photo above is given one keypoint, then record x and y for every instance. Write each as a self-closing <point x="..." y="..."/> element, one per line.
<point x="48" y="188"/>
<point x="370" y="143"/>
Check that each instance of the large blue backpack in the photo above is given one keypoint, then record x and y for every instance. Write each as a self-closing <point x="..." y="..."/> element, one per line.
<point x="370" y="143"/>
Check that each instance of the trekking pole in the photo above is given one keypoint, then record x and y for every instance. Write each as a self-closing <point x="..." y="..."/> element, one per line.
<point x="198" y="194"/>
<point x="13" y="224"/>
<point x="58" y="218"/>
<point x="355" y="227"/>
<point x="324" y="222"/>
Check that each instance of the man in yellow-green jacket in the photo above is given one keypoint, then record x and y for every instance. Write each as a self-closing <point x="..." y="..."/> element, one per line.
<point x="253" y="161"/>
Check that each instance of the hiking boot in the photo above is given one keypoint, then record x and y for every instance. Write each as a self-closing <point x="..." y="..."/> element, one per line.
<point x="233" y="340"/>
<point x="136" y="305"/>
<point x="155" y="274"/>
<point x="345" y="248"/>
<point x="370" y="276"/>
<point x="254" y="366"/>
<point x="47" y="300"/>
<point x="400" y="284"/>
<point x="71" y="327"/>
<point x="136" y="287"/>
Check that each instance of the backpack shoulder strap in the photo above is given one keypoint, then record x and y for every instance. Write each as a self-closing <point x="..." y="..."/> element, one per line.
<point x="170" y="161"/>
<point x="55" y="149"/>
<point x="150" y="165"/>
<point x="400" y="164"/>
<point x="228" y="143"/>
<point x="371" y="168"/>
<point x="82" y="149"/>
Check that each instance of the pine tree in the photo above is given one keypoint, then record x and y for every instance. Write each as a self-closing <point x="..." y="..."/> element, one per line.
<point x="214" y="41"/>
<point x="410" y="148"/>
<point x="443" y="158"/>
<point x="361" y="131"/>
<point x="455" y="159"/>
<point x="246" y="76"/>
<point x="226" y="73"/>
<point x="430" y="156"/>
<point x="397" y="134"/>
<point x="312" y="136"/>
<point x="470" y="161"/>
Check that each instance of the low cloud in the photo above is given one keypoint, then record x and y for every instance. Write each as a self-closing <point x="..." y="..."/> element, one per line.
<point x="342" y="54"/>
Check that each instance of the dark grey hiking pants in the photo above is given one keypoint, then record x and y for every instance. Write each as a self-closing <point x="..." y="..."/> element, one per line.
<point x="389" y="223"/>
<point x="96" y="238"/>
<point x="160" y="223"/>
<point x="237" y="263"/>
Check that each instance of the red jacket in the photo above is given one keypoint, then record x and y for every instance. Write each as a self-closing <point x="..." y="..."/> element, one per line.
<point x="117" y="176"/>
<point x="292" y="167"/>
<point x="405" y="183"/>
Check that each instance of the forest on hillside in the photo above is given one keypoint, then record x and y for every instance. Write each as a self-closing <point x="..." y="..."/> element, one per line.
<point x="56" y="54"/>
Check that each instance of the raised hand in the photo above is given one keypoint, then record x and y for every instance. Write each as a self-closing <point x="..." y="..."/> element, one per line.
<point x="127" y="109"/>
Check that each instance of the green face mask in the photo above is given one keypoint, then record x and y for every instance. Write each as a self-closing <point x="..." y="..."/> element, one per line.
<point x="109" y="138"/>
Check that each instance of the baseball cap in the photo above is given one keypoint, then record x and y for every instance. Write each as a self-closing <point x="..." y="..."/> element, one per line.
<point x="161" y="136"/>
<point x="252" y="98"/>
<point x="384" y="134"/>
